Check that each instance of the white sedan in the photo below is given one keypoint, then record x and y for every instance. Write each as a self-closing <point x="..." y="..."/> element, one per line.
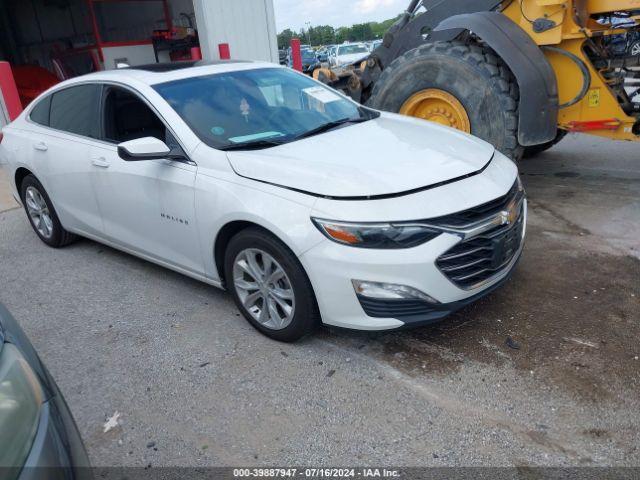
<point x="306" y="206"/>
<point x="348" y="54"/>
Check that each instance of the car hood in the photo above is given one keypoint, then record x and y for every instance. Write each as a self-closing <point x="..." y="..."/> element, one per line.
<point x="351" y="58"/>
<point x="386" y="156"/>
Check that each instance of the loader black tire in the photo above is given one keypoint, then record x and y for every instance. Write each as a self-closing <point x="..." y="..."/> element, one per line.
<point x="473" y="74"/>
<point x="534" y="150"/>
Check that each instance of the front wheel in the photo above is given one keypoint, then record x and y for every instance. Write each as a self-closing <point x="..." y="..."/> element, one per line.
<point x="269" y="286"/>
<point x="635" y="49"/>
<point x="42" y="215"/>
<point x="467" y="87"/>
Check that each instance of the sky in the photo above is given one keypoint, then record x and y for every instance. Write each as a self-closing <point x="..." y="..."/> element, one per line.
<point x="338" y="13"/>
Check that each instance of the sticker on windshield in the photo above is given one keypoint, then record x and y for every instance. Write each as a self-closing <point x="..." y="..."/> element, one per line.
<point x="245" y="109"/>
<point x="256" y="136"/>
<point x="217" y="131"/>
<point x="322" y="94"/>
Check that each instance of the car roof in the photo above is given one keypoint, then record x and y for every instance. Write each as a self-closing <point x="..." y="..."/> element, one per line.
<point x="157" y="73"/>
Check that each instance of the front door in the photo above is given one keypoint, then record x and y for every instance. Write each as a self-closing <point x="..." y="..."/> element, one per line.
<point x="147" y="206"/>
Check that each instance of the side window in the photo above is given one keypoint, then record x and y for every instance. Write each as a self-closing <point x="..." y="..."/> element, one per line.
<point x="75" y="110"/>
<point x="127" y="117"/>
<point x="40" y="113"/>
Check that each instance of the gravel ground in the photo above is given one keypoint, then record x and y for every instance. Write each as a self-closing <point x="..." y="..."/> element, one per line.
<point x="543" y="372"/>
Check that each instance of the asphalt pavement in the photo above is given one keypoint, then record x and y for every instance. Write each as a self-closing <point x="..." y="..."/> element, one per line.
<point x="545" y="371"/>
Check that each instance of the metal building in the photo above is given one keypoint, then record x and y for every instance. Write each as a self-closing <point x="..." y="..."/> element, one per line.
<point x="248" y="26"/>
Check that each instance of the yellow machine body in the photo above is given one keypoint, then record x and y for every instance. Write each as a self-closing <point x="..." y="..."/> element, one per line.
<point x="574" y="27"/>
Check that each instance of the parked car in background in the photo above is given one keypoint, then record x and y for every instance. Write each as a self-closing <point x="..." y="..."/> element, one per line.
<point x="228" y="173"/>
<point x="375" y="44"/>
<point x="627" y="44"/>
<point x="309" y="61"/>
<point x="332" y="55"/>
<point x="282" y="57"/>
<point x="36" y="427"/>
<point x="350" y="53"/>
<point x="323" y="55"/>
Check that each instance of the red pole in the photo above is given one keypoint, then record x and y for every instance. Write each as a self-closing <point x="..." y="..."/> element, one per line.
<point x="96" y="30"/>
<point x="296" y="54"/>
<point x="225" y="51"/>
<point x="196" y="53"/>
<point x="9" y="91"/>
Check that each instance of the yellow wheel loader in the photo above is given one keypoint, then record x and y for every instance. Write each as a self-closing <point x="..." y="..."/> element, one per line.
<point x="519" y="74"/>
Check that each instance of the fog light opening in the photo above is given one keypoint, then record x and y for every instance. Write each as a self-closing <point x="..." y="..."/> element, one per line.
<point x="389" y="291"/>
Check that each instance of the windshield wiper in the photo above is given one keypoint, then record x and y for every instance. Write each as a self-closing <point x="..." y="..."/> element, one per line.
<point x="254" y="145"/>
<point x="329" y="126"/>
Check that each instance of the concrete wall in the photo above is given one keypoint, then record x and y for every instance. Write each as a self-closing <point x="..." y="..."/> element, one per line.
<point x="248" y="26"/>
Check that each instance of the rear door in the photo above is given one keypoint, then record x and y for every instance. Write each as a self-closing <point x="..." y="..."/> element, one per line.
<point x="65" y="126"/>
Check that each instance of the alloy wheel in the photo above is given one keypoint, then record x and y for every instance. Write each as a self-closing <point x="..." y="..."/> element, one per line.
<point x="264" y="288"/>
<point x="39" y="212"/>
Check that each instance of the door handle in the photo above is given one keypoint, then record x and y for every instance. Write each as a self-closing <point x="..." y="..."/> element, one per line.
<point x="41" y="146"/>
<point x="100" y="162"/>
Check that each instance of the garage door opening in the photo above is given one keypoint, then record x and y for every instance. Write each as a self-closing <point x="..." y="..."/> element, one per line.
<point x="47" y="41"/>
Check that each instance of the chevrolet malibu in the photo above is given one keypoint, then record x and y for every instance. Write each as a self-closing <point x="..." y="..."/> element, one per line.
<point x="306" y="206"/>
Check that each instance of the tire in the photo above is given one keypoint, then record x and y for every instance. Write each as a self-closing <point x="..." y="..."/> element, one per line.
<point x="474" y="75"/>
<point x="534" y="150"/>
<point x="305" y="315"/>
<point x="54" y="234"/>
<point x="634" y="49"/>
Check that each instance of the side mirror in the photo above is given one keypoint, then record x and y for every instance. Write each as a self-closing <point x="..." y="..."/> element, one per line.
<point x="147" y="148"/>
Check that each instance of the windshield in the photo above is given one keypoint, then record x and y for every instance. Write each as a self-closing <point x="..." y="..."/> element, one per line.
<point x="308" y="55"/>
<point x="351" y="49"/>
<point x="261" y="106"/>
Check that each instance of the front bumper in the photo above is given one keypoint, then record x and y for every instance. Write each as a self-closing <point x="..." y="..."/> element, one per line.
<point x="414" y="313"/>
<point x="332" y="267"/>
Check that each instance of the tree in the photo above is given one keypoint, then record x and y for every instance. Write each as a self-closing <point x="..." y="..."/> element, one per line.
<point x="343" y="34"/>
<point x="361" y="32"/>
<point x="284" y="38"/>
<point x="326" y="34"/>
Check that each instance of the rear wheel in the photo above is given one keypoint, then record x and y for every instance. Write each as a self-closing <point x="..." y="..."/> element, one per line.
<point x="269" y="286"/>
<point x="42" y="215"/>
<point x="534" y="150"/>
<point x="635" y="49"/>
<point x="461" y="86"/>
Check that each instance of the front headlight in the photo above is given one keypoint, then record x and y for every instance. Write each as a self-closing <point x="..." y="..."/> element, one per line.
<point x="375" y="235"/>
<point x="21" y="398"/>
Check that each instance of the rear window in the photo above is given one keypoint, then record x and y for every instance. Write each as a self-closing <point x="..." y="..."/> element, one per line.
<point x="40" y="113"/>
<point x="75" y="110"/>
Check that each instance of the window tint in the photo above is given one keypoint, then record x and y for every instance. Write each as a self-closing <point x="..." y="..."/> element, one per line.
<point x="40" y="113"/>
<point x="127" y="117"/>
<point x="75" y="110"/>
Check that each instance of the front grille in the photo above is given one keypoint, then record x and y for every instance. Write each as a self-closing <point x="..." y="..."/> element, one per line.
<point x="479" y="213"/>
<point x="479" y="258"/>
